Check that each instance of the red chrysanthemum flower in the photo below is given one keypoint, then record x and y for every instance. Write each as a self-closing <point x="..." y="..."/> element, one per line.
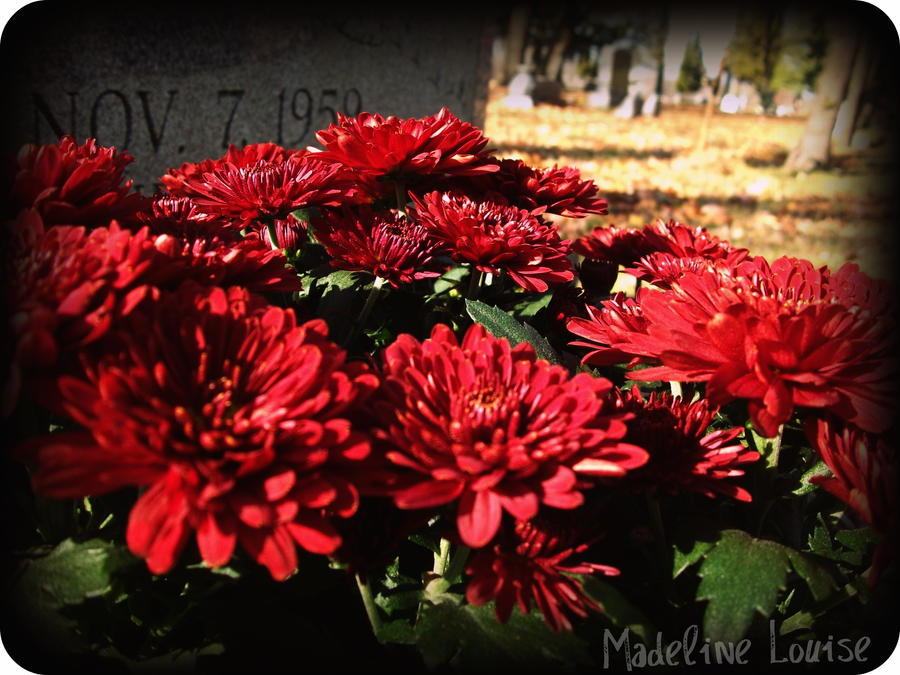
<point x="403" y="149"/>
<point x="257" y="194"/>
<point x="777" y="335"/>
<point x="214" y="254"/>
<point x="683" y="456"/>
<point x="686" y="242"/>
<point x="493" y="426"/>
<point x="234" y="417"/>
<point x="611" y="244"/>
<point x="604" y="251"/>
<point x="529" y="560"/>
<point x="182" y="217"/>
<point x="495" y="238"/>
<point x="870" y="297"/>
<point x="178" y="182"/>
<point x="865" y="476"/>
<point x="566" y="302"/>
<point x="290" y="234"/>
<point x="384" y="243"/>
<point x="673" y="249"/>
<point x="74" y="184"/>
<point x="558" y="190"/>
<point x="658" y="253"/>
<point x="252" y="153"/>
<point x="663" y="269"/>
<point x="616" y="318"/>
<point x="63" y="292"/>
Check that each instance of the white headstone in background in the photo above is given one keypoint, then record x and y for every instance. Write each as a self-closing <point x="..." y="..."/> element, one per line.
<point x="522" y="83"/>
<point x="651" y="106"/>
<point x="630" y="107"/>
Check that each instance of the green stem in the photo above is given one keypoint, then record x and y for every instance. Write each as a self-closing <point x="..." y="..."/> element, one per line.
<point x="370" y="300"/>
<point x="774" y="451"/>
<point x="401" y="195"/>
<point x="475" y="278"/>
<point x="441" y="558"/>
<point x="366" y="310"/>
<point x="273" y="235"/>
<point x="457" y="562"/>
<point x="365" y="592"/>
<point x="771" y="451"/>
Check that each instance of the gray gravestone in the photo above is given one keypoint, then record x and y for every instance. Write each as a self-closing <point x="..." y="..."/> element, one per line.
<point x="630" y="107"/>
<point x="651" y="106"/>
<point x="522" y="84"/>
<point x="174" y="83"/>
<point x="518" y="91"/>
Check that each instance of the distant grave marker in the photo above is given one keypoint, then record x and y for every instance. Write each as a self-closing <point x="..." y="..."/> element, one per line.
<point x="173" y="83"/>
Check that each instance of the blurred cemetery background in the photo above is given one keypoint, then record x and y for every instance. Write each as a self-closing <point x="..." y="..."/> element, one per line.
<point x="773" y="126"/>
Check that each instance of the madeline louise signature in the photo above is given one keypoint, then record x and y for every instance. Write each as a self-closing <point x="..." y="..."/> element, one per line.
<point x="690" y="650"/>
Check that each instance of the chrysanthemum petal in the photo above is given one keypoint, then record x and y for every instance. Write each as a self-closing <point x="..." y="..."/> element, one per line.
<point x="216" y="538"/>
<point x="157" y="526"/>
<point x="478" y="517"/>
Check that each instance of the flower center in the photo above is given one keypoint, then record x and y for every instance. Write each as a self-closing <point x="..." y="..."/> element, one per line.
<point x="483" y="400"/>
<point x="209" y="422"/>
<point x="483" y="410"/>
<point x="219" y="408"/>
<point x="655" y="429"/>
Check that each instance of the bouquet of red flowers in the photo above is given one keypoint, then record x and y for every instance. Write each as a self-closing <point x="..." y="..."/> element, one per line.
<point x="365" y="395"/>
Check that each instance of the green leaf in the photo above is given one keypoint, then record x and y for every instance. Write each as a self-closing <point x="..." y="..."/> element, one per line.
<point x="340" y="279"/>
<point x="768" y="448"/>
<point x="470" y="638"/>
<point x="820" y="540"/>
<point x="302" y="215"/>
<point x="399" y="631"/>
<point x="503" y="325"/>
<point x="450" y="279"/>
<point x="796" y="621"/>
<point x="531" y="306"/>
<point x="426" y="541"/>
<point x="68" y="575"/>
<point x="691" y="542"/>
<point x="818" y="578"/>
<point x="436" y="589"/>
<point x="73" y="572"/>
<point x="398" y="601"/>
<point x="847" y="546"/>
<point x="340" y="301"/>
<point x="740" y="575"/>
<point x="618" y="609"/>
<point x="817" y="469"/>
<point x="857" y="540"/>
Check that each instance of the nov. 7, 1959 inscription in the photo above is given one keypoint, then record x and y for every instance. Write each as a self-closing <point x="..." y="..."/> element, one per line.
<point x="211" y="120"/>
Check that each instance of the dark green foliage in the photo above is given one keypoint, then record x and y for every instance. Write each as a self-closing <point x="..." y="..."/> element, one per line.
<point x="757" y="46"/>
<point x="690" y="76"/>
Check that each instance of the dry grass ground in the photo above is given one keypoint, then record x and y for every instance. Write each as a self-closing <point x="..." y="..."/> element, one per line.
<point x="649" y="168"/>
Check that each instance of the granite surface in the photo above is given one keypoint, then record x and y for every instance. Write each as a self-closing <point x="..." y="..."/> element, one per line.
<point x="179" y="82"/>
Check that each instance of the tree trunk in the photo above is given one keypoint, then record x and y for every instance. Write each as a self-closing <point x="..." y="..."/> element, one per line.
<point x="555" y="59"/>
<point x="814" y="148"/>
<point x="708" y="111"/>
<point x="515" y="41"/>
<point x="660" y="54"/>
<point x="844" y="134"/>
